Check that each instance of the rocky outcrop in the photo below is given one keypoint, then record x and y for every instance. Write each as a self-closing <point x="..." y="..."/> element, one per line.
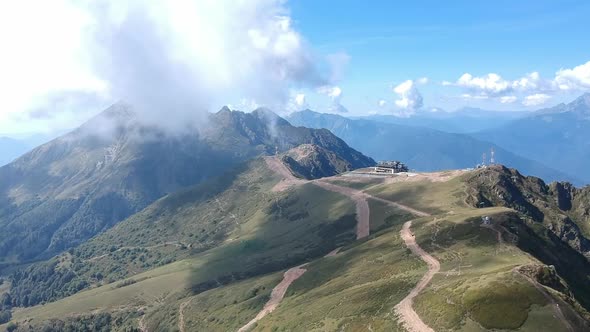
<point x="310" y="161"/>
<point x="562" y="208"/>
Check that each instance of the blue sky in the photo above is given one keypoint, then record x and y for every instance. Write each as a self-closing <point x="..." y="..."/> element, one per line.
<point x="392" y="41"/>
<point x="174" y="61"/>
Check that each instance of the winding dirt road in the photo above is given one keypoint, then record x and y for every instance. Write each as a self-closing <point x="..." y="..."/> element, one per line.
<point x="277" y="295"/>
<point x="357" y="196"/>
<point x="409" y="318"/>
<point x="359" y="199"/>
<point x="404" y="310"/>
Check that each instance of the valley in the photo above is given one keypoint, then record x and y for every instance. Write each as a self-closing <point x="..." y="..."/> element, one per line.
<point x="294" y="166"/>
<point x="380" y="269"/>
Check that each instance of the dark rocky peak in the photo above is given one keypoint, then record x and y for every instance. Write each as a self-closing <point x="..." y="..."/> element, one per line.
<point x="311" y="161"/>
<point x="223" y="110"/>
<point x="559" y="206"/>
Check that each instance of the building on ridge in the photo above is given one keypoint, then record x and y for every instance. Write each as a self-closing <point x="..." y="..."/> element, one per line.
<point x="391" y="167"/>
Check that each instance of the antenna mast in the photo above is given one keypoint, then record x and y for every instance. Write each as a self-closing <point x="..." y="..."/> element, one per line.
<point x="483" y="159"/>
<point x="492" y="156"/>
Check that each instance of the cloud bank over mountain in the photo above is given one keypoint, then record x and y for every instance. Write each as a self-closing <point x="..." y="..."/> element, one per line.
<point x="172" y="60"/>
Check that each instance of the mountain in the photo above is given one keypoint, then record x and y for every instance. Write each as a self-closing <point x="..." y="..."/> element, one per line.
<point x="311" y="161"/>
<point x="10" y="149"/>
<point x="557" y="215"/>
<point x="557" y="136"/>
<point x="222" y="254"/>
<point x="464" y="120"/>
<point x="422" y="149"/>
<point x="68" y="190"/>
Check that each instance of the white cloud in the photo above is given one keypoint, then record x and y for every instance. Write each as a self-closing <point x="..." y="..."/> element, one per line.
<point x="423" y="80"/>
<point x="335" y="94"/>
<point x="41" y="56"/>
<point x="577" y="78"/>
<point x="382" y="103"/>
<point x="409" y="98"/>
<point x="475" y="97"/>
<point x="536" y="89"/>
<point x="490" y="84"/>
<point x="300" y="100"/>
<point x="536" y="99"/>
<point x="297" y="102"/>
<point x="180" y="58"/>
<point x="508" y="99"/>
<point x="330" y="91"/>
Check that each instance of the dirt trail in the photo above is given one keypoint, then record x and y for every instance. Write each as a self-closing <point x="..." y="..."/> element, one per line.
<point x="404" y="310"/>
<point x="360" y="200"/>
<point x="141" y="324"/>
<point x="183" y="306"/>
<point x="333" y="252"/>
<point x="359" y="197"/>
<point x="277" y="295"/>
<point x="289" y="180"/>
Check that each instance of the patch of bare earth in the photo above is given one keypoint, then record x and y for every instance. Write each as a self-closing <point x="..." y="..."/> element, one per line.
<point x="433" y="177"/>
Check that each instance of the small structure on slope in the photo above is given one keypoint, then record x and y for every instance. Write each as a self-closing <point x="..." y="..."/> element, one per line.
<point x="390" y="167"/>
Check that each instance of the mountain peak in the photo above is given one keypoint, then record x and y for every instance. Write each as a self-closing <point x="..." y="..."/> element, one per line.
<point x="583" y="100"/>
<point x="119" y="114"/>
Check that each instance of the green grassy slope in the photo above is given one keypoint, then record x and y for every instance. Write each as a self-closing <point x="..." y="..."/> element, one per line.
<point x="272" y="233"/>
<point x="479" y="286"/>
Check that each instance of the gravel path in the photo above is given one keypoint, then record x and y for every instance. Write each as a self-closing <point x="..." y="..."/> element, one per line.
<point x="277" y="295"/>
<point x="360" y="200"/>
<point x="404" y="310"/>
<point x="409" y="318"/>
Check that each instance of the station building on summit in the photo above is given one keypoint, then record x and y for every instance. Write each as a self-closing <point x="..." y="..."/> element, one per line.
<point x="390" y="167"/>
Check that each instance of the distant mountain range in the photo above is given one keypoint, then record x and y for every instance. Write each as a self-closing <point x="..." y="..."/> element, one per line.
<point x="558" y="137"/>
<point x="78" y="185"/>
<point x="423" y="149"/>
<point x="207" y="229"/>
<point x="464" y="120"/>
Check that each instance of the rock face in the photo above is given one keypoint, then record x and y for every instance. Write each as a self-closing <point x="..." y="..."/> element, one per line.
<point x="560" y="207"/>
<point x="78" y="185"/>
<point x="545" y="275"/>
<point x="310" y="161"/>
